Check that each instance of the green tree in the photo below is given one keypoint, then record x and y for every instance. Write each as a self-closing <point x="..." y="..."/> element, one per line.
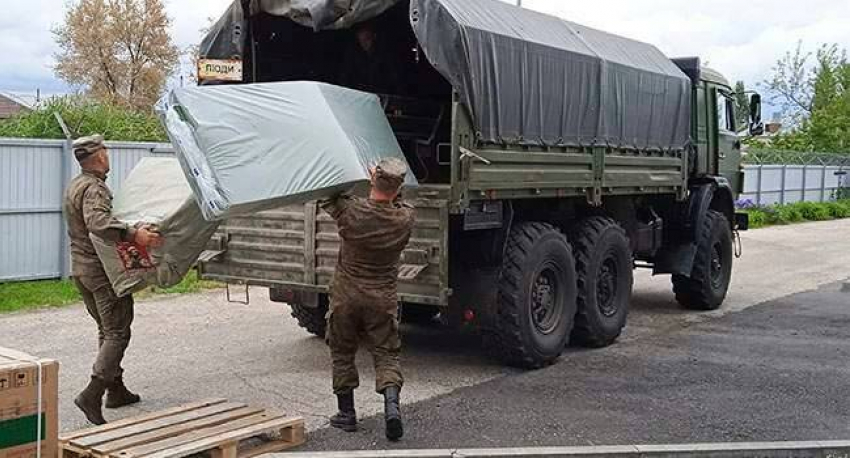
<point x="790" y="86"/>
<point x="742" y="105"/>
<point x="815" y="99"/>
<point x="120" y="51"/>
<point x="828" y="129"/>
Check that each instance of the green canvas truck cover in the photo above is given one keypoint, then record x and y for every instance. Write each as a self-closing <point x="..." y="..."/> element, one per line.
<point x="532" y="78"/>
<point x="224" y="40"/>
<point x="526" y="77"/>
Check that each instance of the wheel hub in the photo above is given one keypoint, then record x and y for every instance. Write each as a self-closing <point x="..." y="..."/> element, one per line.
<point x="717" y="266"/>
<point x="606" y="287"/>
<point x="545" y="313"/>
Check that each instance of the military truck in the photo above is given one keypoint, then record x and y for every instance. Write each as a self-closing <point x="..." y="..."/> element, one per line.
<point x="553" y="160"/>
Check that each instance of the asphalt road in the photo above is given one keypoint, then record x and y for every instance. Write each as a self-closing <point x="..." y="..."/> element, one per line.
<point x="775" y="372"/>
<point x="195" y="347"/>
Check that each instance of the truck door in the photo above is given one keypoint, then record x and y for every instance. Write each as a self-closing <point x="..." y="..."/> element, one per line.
<point x="728" y="143"/>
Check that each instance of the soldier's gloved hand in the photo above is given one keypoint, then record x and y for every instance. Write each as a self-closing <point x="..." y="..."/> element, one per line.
<point x="147" y="237"/>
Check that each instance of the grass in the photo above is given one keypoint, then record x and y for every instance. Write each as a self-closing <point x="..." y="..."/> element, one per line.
<point x="56" y="293"/>
<point x="776" y="215"/>
<point x="32" y="294"/>
<point x="190" y="284"/>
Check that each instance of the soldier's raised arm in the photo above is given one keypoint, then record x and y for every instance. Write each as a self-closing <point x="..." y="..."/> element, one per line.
<point x="335" y="206"/>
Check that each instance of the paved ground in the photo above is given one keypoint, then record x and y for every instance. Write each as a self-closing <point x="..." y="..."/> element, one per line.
<point x="193" y="347"/>
<point x="775" y="372"/>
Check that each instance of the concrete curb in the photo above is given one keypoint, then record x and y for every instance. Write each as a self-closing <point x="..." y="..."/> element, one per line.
<point x="821" y="449"/>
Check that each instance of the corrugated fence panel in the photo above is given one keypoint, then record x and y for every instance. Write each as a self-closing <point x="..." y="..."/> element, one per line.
<point x="785" y="184"/>
<point x="33" y="177"/>
<point x="30" y="209"/>
<point x="123" y="157"/>
<point x="30" y="246"/>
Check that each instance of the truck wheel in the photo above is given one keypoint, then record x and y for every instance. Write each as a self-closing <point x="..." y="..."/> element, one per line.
<point x="712" y="271"/>
<point x="604" y="267"/>
<point x="536" y="298"/>
<point x="312" y="319"/>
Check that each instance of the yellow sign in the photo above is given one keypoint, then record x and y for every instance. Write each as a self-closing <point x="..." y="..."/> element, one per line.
<point x="219" y="70"/>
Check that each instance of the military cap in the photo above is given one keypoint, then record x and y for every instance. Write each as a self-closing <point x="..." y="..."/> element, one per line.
<point x="390" y="174"/>
<point x="86" y="146"/>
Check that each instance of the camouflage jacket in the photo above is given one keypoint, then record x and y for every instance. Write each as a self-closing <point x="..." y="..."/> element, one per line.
<point x="88" y="209"/>
<point x="373" y="234"/>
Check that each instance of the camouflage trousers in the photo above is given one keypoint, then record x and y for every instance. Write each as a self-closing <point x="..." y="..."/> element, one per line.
<point x="114" y="316"/>
<point x="369" y="318"/>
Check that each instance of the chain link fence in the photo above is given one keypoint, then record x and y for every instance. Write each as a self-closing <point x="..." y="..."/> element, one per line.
<point x="768" y="157"/>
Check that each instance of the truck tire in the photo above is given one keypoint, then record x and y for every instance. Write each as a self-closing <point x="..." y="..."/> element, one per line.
<point x="604" y="268"/>
<point x="708" y="284"/>
<point x="312" y="319"/>
<point x="536" y="298"/>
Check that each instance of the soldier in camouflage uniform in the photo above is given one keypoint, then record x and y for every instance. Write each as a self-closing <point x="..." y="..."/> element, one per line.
<point x="364" y="304"/>
<point x="88" y="209"/>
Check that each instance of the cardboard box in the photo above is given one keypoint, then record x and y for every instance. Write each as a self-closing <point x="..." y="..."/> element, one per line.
<point x="19" y="407"/>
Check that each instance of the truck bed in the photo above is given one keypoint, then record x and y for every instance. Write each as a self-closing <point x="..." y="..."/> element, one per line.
<point x="297" y="247"/>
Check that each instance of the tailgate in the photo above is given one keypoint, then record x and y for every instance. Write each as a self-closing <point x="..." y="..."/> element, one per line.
<point x="296" y="247"/>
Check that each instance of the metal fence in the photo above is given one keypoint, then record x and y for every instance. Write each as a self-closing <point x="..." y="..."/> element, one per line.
<point x="785" y="184"/>
<point x="34" y="174"/>
<point x="33" y="177"/>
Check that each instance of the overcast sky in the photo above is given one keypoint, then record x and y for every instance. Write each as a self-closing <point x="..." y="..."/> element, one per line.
<point x="742" y="39"/>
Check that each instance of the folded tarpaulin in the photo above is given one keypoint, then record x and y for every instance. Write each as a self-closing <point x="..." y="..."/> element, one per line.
<point x="254" y="147"/>
<point x="155" y="192"/>
<point x="225" y="40"/>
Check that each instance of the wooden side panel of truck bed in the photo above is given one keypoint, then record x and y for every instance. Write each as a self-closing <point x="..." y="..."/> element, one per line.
<point x="510" y="174"/>
<point x="297" y="247"/>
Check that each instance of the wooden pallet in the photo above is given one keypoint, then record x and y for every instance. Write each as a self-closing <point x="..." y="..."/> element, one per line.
<point x="223" y="429"/>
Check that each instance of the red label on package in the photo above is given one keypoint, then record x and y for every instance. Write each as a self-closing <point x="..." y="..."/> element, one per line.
<point x="134" y="257"/>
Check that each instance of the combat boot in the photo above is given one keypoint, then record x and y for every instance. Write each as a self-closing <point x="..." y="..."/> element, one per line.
<point x="346" y="418"/>
<point x="91" y="399"/>
<point x="117" y="395"/>
<point x="392" y="413"/>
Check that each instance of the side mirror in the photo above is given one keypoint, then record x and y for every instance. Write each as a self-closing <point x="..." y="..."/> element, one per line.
<point x="756" y="125"/>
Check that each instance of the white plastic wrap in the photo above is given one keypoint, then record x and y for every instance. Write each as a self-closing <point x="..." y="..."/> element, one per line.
<point x="155" y="192"/>
<point x="248" y="148"/>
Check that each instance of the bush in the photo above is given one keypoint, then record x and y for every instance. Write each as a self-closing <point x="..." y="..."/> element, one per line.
<point x="758" y="218"/>
<point x="839" y="209"/>
<point x="812" y="211"/>
<point x="789" y="214"/>
<point x="797" y="212"/>
<point x="85" y="116"/>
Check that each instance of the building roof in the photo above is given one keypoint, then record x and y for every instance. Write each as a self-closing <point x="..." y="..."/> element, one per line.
<point x="11" y="104"/>
<point x="25" y="99"/>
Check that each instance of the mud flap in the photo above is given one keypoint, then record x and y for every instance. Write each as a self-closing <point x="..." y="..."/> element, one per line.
<point x="676" y="260"/>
